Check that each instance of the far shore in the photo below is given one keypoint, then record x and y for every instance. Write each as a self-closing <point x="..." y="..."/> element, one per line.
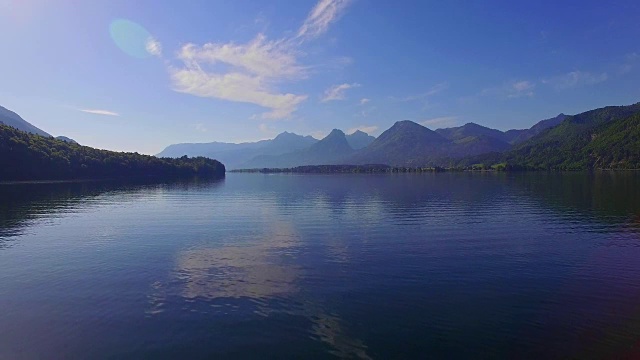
<point x="385" y="169"/>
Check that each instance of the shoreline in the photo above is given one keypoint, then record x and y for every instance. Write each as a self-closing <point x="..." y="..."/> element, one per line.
<point x="384" y="169"/>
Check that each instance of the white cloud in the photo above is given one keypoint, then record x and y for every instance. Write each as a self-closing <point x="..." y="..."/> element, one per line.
<point x="260" y="57"/>
<point x="369" y="129"/>
<point x="99" y="112"/>
<point x="574" y="79"/>
<point x="440" y="121"/>
<point x="250" y="72"/>
<point x="321" y="16"/>
<point x="364" y="101"/>
<point x="253" y="70"/>
<point x="153" y="47"/>
<point x="337" y="92"/>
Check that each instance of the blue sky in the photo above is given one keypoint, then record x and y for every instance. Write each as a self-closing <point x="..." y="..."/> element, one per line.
<point x="140" y="75"/>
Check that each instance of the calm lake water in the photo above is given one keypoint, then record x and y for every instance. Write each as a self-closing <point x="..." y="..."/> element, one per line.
<point x="449" y="265"/>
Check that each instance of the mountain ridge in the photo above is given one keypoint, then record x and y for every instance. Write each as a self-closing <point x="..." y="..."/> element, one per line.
<point x="233" y="154"/>
<point x="562" y="142"/>
<point x="332" y="148"/>
<point x="359" y="139"/>
<point x="404" y="143"/>
<point x="469" y="139"/>
<point x="573" y="144"/>
<point x="10" y="118"/>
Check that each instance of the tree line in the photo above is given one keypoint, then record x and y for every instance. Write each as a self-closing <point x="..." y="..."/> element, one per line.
<point x="25" y="156"/>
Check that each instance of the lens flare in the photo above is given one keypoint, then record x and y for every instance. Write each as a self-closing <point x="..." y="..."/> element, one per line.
<point x="130" y="37"/>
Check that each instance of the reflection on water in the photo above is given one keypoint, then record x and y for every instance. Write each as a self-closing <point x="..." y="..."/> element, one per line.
<point x="23" y="203"/>
<point x="539" y="265"/>
<point x="256" y="271"/>
<point x="266" y="271"/>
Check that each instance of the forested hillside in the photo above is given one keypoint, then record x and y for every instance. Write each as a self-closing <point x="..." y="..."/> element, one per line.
<point x="603" y="138"/>
<point x="25" y="156"/>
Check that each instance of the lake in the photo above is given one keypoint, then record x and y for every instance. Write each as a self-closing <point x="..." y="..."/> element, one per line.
<point x="445" y="265"/>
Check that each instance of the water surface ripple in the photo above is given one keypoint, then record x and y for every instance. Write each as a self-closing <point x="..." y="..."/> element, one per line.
<point x="451" y="265"/>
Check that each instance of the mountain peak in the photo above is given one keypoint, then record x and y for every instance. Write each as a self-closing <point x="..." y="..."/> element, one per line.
<point x="335" y="141"/>
<point x="408" y="129"/>
<point x="285" y="134"/>
<point x="405" y="122"/>
<point x="336" y="132"/>
<point x="359" y="139"/>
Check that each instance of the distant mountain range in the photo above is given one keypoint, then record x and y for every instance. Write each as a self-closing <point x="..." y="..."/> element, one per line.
<point x="608" y="138"/>
<point x="266" y="152"/>
<point x="333" y="149"/>
<point x="406" y="143"/>
<point x="234" y="155"/>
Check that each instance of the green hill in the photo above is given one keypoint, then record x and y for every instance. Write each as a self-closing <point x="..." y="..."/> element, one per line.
<point x="25" y="156"/>
<point x="601" y="138"/>
<point x="616" y="145"/>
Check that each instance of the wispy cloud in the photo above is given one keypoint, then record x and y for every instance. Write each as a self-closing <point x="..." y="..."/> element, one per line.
<point x="337" y="92"/>
<point x="521" y="88"/>
<point x="251" y="72"/>
<point x="369" y="129"/>
<point x="153" y="47"/>
<point x="440" y="121"/>
<point x="511" y="90"/>
<point x="364" y="101"/>
<point x="267" y="130"/>
<point x="432" y="91"/>
<point x="338" y="63"/>
<point x="99" y="112"/>
<point x="574" y="79"/>
<point x="255" y="68"/>
<point x="200" y="127"/>
<point x="321" y="16"/>
<point x="631" y="61"/>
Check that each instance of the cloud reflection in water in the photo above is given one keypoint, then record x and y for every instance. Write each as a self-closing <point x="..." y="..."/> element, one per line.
<point x="266" y="272"/>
